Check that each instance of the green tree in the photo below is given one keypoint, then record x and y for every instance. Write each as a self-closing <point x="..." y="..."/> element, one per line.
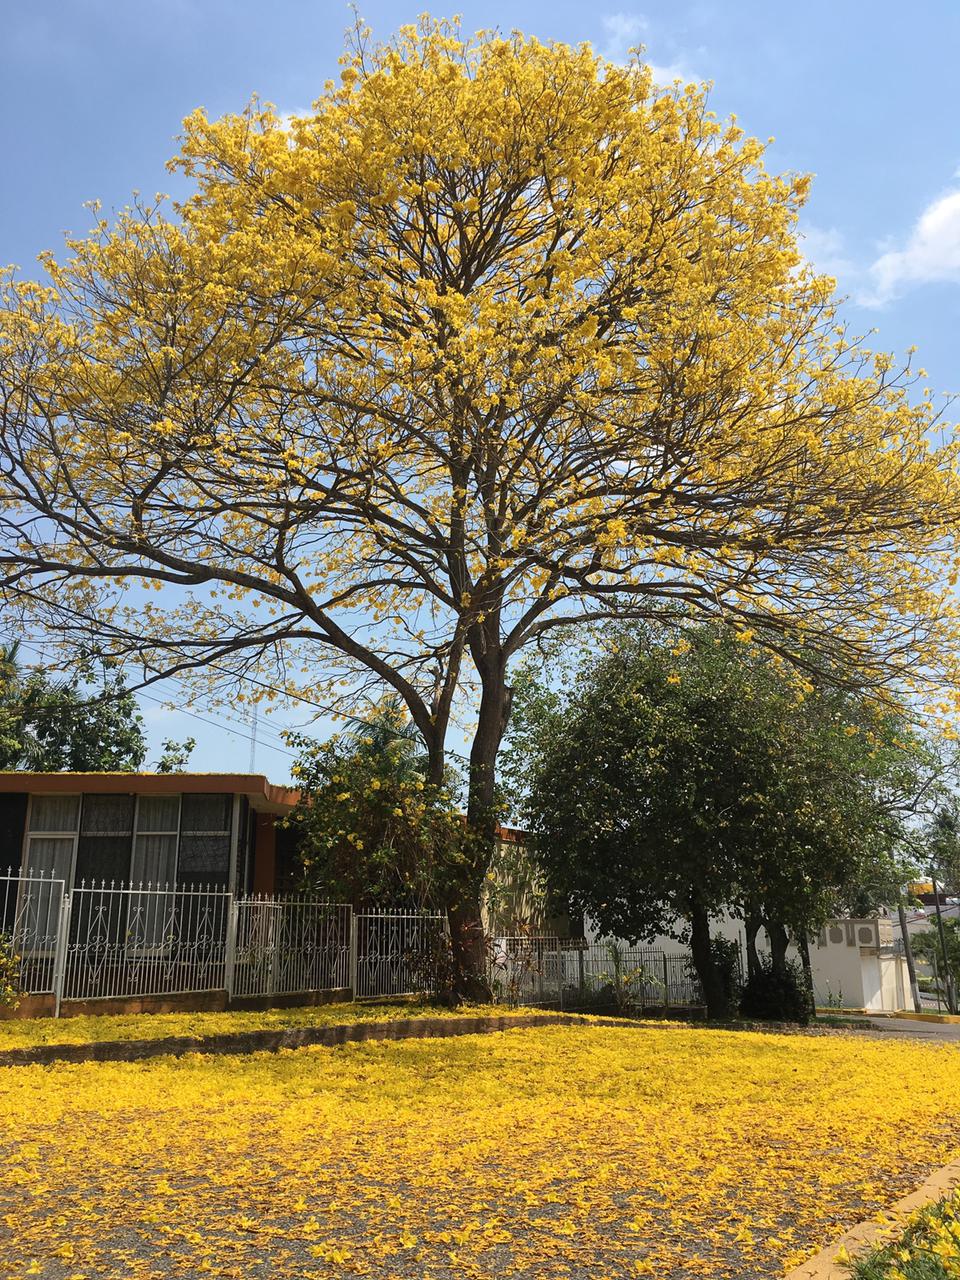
<point x="89" y="723"/>
<point x="672" y="781"/>
<point x="370" y="825"/>
<point x="926" y="946"/>
<point x="939" y="845"/>
<point x="175" y="756"/>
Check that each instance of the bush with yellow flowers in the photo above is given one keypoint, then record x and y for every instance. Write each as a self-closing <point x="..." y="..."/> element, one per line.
<point x="9" y="973"/>
<point x="928" y="1250"/>
<point x="371" y="827"/>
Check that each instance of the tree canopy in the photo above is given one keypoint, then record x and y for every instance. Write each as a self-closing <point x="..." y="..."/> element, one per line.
<point x="938" y="845"/>
<point x="88" y="723"/>
<point x="370" y="826"/>
<point x="676" y="780"/>
<point x="496" y="338"/>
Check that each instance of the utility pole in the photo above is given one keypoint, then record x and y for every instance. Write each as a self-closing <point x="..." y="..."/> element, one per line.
<point x="253" y="739"/>
<point x="947" y="975"/>
<point x="908" y="954"/>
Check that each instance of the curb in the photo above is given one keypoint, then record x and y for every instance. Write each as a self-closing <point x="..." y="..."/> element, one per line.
<point x="911" y="1016"/>
<point x="824" y="1265"/>
<point x="272" y="1041"/>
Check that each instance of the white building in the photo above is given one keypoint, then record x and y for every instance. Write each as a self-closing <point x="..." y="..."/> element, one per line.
<point x="855" y="964"/>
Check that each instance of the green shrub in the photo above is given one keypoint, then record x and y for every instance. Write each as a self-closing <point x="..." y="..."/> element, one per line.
<point x="726" y="956"/>
<point x="776" y="995"/>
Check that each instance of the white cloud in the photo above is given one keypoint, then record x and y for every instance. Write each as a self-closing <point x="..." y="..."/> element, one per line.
<point x="824" y="248"/>
<point x="625" y="31"/>
<point x="622" y="32"/>
<point x="931" y="253"/>
<point x="666" y="73"/>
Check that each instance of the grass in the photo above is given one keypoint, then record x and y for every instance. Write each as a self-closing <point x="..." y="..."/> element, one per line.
<point x="21" y="1033"/>
<point x="555" y="1153"/>
<point x="928" y="1249"/>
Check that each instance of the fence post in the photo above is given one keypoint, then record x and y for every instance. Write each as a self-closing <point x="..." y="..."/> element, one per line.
<point x="353" y="954"/>
<point x="60" y="953"/>
<point x="230" y="948"/>
<point x="666" y="982"/>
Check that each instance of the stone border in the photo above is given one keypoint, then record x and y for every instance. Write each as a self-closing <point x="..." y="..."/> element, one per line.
<point x="824" y="1265"/>
<point x="273" y="1040"/>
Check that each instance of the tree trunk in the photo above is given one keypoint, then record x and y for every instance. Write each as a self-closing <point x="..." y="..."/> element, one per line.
<point x="703" y="962"/>
<point x="908" y="953"/>
<point x="752" y="924"/>
<point x="779" y="941"/>
<point x="464" y="913"/>
<point x="803" y="943"/>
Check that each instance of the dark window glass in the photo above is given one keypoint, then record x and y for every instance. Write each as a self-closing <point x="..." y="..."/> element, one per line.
<point x="289" y="864"/>
<point x="13" y="819"/>
<point x="204" y="858"/>
<point x="206" y="813"/>
<point x="13" y="816"/>
<point x="107" y="816"/>
<point x="106" y="835"/>
<point x="205" y="840"/>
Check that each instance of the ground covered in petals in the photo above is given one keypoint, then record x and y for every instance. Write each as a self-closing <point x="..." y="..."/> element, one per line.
<point x="24" y="1033"/>
<point x="582" y="1151"/>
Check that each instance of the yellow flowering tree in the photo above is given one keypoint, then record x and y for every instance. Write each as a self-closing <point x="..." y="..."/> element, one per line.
<point x="496" y="338"/>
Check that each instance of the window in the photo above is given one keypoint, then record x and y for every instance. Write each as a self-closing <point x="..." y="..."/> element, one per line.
<point x="130" y="840"/>
<point x="205" y="840"/>
<point x="52" y="836"/>
<point x="155" y="843"/>
<point x="13" y="825"/>
<point x="106" y="835"/>
<point x="243" y="872"/>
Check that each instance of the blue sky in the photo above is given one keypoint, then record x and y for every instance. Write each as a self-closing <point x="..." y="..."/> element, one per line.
<point x="861" y="95"/>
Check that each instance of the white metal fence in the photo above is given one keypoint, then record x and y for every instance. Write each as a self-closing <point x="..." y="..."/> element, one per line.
<point x="145" y="940"/>
<point x="104" y="941"/>
<point x="395" y="951"/>
<point x="574" y="974"/>
<point x="284" y="946"/>
<point x="125" y="941"/>
<point x="30" y="915"/>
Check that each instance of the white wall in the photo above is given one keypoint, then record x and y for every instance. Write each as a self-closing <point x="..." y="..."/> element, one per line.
<point x="852" y="962"/>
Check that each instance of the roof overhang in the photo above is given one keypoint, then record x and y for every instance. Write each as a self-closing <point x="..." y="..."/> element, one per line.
<point x="264" y="796"/>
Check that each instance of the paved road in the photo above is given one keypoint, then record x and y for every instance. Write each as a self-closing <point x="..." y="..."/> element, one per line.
<point x="917" y="1030"/>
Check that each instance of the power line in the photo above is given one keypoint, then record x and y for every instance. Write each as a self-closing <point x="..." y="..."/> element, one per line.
<point x="219" y="724"/>
<point x="223" y="724"/>
<point x="261" y="684"/>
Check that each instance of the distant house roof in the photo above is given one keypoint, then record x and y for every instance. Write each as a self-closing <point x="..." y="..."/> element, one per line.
<point x="264" y="796"/>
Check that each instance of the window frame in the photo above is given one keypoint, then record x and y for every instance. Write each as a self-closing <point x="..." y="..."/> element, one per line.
<point x="50" y="834"/>
<point x="65" y="881"/>
<point x="235" y="838"/>
<point x="138" y="832"/>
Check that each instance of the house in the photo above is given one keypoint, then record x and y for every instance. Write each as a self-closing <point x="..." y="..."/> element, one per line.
<point x="223" y="830"/>
<point x="121" y="892"/>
